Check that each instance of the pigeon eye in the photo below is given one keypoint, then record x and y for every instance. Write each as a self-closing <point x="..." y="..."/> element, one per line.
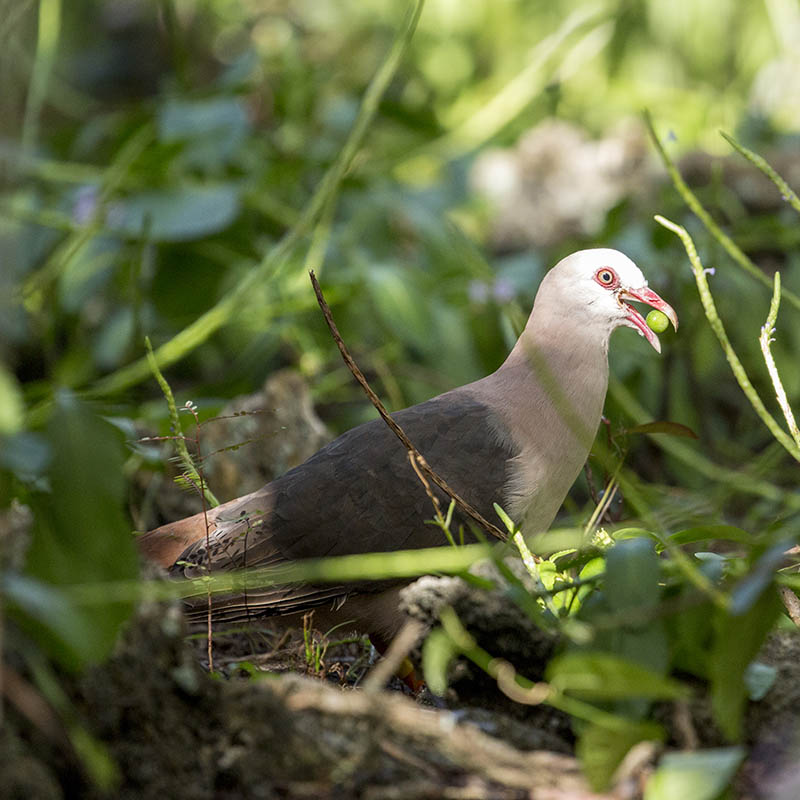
<point x="606" y="276"/>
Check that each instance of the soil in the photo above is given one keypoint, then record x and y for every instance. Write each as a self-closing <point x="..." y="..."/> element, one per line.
<point x="274" y="723"/>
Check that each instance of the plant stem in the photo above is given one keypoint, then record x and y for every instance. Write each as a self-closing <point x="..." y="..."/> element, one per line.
<point x="180" y="442"/>
<point x="218" y="315"/>
<point x="761" y="163"/>
<point x="719" y="329"/>
<point x="765" y="339"/>
<point x="46" y="48"/>
<point x="690" y="198"/>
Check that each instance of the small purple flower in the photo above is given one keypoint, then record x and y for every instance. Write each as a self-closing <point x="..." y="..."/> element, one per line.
<point x="478" y="291"/>
<point x="85" y="204"/>
<point x="503" y="290"/>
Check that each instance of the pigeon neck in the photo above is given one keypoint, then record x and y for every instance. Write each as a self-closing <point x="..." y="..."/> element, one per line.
<point x="549" y="396"/>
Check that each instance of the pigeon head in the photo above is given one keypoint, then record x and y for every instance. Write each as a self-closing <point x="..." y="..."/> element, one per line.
<point x="595" y="287"/>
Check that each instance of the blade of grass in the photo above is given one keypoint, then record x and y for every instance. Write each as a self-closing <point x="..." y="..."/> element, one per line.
<point x="175" y="423"/>
<point x="690" y="198"/>
<point x="217" y="316"/>
<point x="761" y="163"/>
<point x="363" y="566"/>
<point x="719" y="329"/>
<point x="46" y="49"/>
<point x="765" y="340"/>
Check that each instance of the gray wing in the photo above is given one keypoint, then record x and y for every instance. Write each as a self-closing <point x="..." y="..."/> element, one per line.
<point x="359" y="494"/>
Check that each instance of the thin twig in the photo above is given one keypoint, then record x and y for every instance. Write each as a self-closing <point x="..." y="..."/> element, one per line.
<point x="765" y="340"/>
<point x="602" y="506"/>
<point x="684" y="726"/>
<point x="393" y="658"/>
<point x="443" y="523"/>
<point x="791" y="603"/>
<point x="203" y="489"/>
<point x="396" y="429"/>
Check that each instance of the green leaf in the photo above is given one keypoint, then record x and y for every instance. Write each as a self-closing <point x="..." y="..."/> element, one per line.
<point x="633" y="533"/>
<point x="691" y="636"/>
<point x="670" y="428"/>
<point x="25" y="454"/>
<point x="748" y="590"/>
<point x="601" y="751"/>
<point x="437" y="653"/>
<point x="759" y="679"/>
<point x="80" y="534"/>
<point x="632" y="575"/>
<point x="737" y="640"/>
<point x="175" y="215"/>
<point x="602" y="676"/>
<point x="701" y="775"/>
<point x="212" y="129"/>
<point x="646" y="645"/>
<point x="50" y="614"/>
<point x="506" y="520"/>
<point x="12" y="406"/>
<point x="705" y="533"/>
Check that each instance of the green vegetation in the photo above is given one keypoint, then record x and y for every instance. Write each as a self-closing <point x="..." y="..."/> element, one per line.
<point x="171" y="173"/>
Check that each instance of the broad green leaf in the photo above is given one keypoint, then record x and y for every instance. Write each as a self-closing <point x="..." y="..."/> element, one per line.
<point x="12" y="406"/>
<point x="737" y="640"/>
<point x="211" y="129"/>
<point x="704" y="533"/>
<point x="51" y="613"/>
<point x="400" y="308"/>
<point x="671" y="428"/>
<point x="175" y="215"/>
<point x="601" y="751"/>
<point x="81" y="535"/>
<point x="437" y="653"/>
<point x="646" y="645"/>
<point x="748" y="590"/>
<point x="632" y="533"/>
<point x="690" y="637"/>
<point x="114" y="338"/>
<point x="25" y="454"/>
<point x="701" y="775"/>
<point x="632" y="575"/>
<point x="602" y="676"/>
<point x="759" y="679"/>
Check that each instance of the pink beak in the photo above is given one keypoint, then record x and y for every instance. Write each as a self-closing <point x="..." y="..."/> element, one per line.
<point x="633" y="319"/>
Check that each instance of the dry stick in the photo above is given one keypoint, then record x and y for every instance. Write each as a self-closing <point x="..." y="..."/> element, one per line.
<point x="437" y="506"/>
<point x="210" y="606"/>
<point x="396" y="429"/>
<point x="393" y="658"/>
<point x="791" y="604"/>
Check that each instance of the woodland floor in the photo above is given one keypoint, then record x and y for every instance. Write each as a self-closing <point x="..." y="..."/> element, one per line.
<point x="271" y="726"/>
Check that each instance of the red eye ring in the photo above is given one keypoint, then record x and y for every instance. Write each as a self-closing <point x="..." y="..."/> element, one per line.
<point x="607" y="278"/>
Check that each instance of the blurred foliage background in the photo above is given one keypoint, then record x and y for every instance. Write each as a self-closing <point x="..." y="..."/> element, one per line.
<point x="170" y="169"/>
<point x="155" y="154"/>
